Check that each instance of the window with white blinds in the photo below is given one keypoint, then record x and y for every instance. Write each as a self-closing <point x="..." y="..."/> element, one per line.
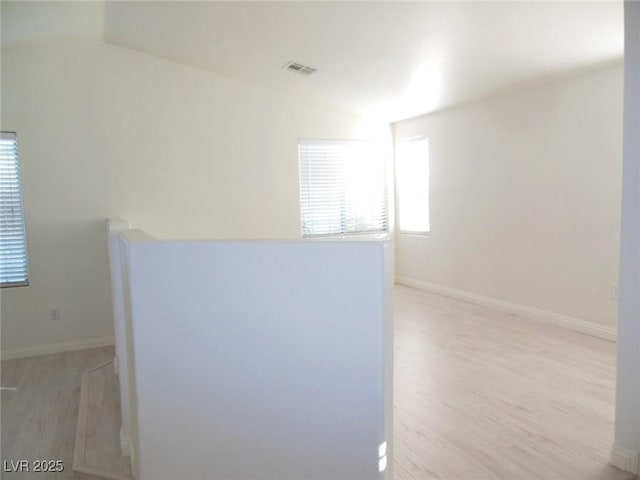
<point x="13" y="242"/>
<point x="342" y="188"/>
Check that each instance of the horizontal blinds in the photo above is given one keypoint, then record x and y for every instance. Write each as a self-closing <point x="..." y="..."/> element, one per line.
<point x="342" y="188"/>
<point x="13" y="247"/>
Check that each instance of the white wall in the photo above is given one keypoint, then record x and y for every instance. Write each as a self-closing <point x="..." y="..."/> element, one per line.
<point x="626" y="449"/>
<point x="525" y="197"/>
<point x="289" y="371"/>
<point x="180" y="152"/>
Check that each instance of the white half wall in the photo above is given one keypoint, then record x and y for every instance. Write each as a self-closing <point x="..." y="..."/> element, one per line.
<point x="115" y="226"/>
<point x="180" y="152"/>
<point x="525" y="198"/>
<point x="268" y="360"/>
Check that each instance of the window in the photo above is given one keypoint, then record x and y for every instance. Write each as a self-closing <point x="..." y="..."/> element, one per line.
<point x="342" y="188"/>
<point x="412" y="186"/>
<point x="13" y="243"/>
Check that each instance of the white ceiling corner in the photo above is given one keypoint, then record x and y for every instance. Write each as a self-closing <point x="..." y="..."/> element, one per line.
<point x="26" y="23"/>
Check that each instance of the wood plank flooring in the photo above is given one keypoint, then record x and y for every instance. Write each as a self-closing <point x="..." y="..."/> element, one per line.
<point x="97" y="449"/>
<point x="485" y="395"/>
<point x="39" y="418"/>
<point x="479" y="395"/>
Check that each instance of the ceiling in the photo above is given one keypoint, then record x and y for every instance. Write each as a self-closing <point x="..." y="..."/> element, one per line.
<point x="391" y="59"/>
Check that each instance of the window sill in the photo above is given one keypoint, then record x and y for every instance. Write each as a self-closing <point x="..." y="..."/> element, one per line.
<point x="415" y="234"/>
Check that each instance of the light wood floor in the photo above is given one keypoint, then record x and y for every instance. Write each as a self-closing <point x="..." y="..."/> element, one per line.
<point x="478" y="395"/>
<point x="97" y="447"/>
<point x="39" y="419"/>
<point x="485" y="395"/>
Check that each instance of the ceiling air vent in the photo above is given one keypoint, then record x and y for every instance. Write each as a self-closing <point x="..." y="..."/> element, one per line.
<point x="299" y="68"/>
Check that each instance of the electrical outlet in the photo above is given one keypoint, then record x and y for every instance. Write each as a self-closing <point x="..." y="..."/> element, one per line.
<point x="614" y="291"/>
<point x="54" y="314"/>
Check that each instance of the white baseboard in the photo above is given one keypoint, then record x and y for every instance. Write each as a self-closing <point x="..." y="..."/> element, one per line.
<point x="572" y="323"/>
<point x="624" y="459"/>
<point x="59" y="347"/>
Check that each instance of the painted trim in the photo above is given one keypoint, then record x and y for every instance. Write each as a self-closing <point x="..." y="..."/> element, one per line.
<point x="125" y="444"/>
<point x="624" y="459"/>
<point x="81" y="426"/>
<point x="58" y="347"/>
<point x="572" y="323"/>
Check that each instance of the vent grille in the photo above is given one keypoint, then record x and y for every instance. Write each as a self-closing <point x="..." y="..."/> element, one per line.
<point x="299" y="68"/>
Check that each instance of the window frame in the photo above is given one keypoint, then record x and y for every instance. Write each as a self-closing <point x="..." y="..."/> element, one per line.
<point x="418" y="233"/>
<point x="18" y="197"/>
<point x="344" y="217"/>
